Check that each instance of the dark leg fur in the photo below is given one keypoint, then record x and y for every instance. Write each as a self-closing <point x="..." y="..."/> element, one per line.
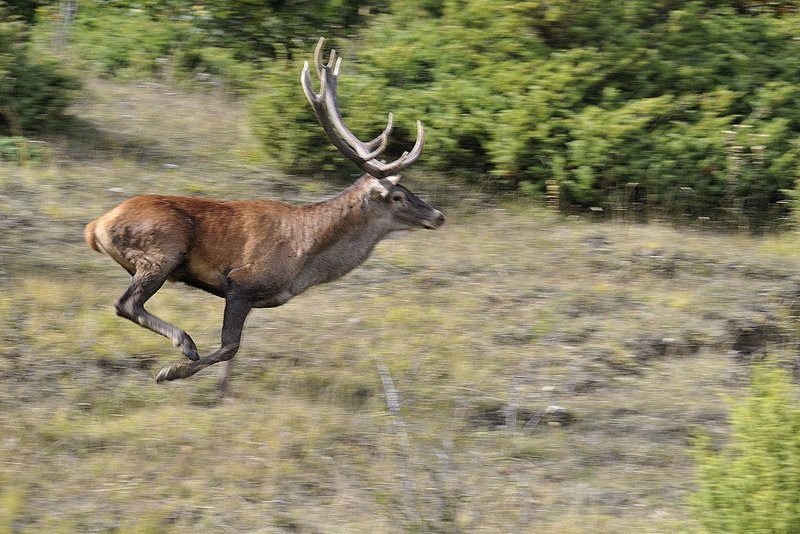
<point x="131" y="306"/>
<point x="236" y="311"/>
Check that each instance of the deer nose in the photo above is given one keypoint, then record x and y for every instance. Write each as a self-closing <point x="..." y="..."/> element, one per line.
<point x="436" y="221"/>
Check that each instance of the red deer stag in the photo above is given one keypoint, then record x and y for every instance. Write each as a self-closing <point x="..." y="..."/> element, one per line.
<point x="259" y="253"/>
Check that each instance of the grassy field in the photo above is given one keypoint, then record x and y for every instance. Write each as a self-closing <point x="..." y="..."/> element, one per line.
<point x="636" y="332"/>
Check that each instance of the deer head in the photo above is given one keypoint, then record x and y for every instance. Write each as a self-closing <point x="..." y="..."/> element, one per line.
<point x="406" y="207"/>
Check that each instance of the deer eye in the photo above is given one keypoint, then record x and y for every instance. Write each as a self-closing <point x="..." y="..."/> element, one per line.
<point x="397" y="197"/>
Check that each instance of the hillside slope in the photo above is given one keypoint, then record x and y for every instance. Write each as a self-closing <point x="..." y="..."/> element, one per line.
<point x="635" y="332"/>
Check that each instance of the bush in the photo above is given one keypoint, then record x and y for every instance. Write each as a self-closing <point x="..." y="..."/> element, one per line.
<point x="284" y="123"/>
<point x="691" y="107"/>
<point x="695" y="102"/>
<point x="220" y="38"/>
<point x="19" y="150"/>
<point x="118" y="40"/>
<point x="218" y="67"/>
<point x="34" y="94"/>
<point x="256" y="30"/>
<point x="753" y="484"/>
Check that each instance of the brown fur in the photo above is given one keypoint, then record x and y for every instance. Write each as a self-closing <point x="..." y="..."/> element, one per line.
<point x="208" y="241"/>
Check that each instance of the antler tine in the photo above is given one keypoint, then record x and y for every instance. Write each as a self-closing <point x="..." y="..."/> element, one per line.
<point x="365" y="151"/>
<point x="321" y="68"/>
<point x="318" y="104"/>
<point x="305" y="83"/>
<point x="318" y="62"/>
<point x="408" y="158"/>
<point x="326" y="107"/>
<point x="384" y="135"/>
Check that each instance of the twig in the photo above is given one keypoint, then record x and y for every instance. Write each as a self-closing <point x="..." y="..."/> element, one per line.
<point x="392" y="396"/>
<point x="533" y="421"/>
<point x="393" y="403"/>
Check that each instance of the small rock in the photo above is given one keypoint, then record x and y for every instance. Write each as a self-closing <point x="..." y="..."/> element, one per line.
<point x="558" y="414"/>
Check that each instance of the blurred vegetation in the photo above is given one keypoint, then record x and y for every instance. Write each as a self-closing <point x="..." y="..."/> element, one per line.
<point x="633" y="331"/>
<point x="752" y="484"/>
<point x="34" y="91"/>
<point x="687" y="106"/>
<point x="219" y="38"/>
<point x="673" y="108"/>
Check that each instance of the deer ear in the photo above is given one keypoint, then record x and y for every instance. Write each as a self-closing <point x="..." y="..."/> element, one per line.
<point x="380" y="188"/>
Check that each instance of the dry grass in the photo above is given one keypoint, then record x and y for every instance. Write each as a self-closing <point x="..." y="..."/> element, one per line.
<point x="482" y="325"/>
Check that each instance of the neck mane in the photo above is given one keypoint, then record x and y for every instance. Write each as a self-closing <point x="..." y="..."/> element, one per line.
<point x="341" y="216"/>
<point x="340" y="233"/>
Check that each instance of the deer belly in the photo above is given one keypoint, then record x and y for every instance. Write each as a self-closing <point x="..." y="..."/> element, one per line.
<point x="202" y="277"/>
<point x="278" y="299"/>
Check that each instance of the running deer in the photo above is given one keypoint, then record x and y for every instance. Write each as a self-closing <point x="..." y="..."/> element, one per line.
<point x="260" y="253"/>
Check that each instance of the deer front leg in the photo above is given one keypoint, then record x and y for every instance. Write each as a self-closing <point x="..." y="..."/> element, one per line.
<point x="236" y="311"/>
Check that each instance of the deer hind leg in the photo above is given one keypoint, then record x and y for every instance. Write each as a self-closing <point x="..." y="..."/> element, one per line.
<point x="236" y="311"/>
<point x="130" y="305"/>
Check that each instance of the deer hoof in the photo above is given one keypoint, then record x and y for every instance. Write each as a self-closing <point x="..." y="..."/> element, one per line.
<point x="186" y="345"/>
<point x="171" y="373"/>
<point x="162" y="375"/>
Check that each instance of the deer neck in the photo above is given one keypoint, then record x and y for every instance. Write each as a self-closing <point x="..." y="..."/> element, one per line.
<point x="344" y="217"/>
<point x="340" y="234"/>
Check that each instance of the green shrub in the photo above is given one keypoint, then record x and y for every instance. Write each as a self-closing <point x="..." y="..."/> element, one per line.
<point x="216" y="66"/>
<point x="752" y="485"/>
<point x="587" y="95"/>
<point x="221" y="38"/>
<point x="118" y="40"/>
<point x="34" y="93"/>
<point x="695" y="103"/>
<point x="284" y="123"/>
<point x="255" y="30"/>
<point x="19" y="150"/>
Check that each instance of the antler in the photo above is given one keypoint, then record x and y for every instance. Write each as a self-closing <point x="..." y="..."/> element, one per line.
<point x="326" y="107"/>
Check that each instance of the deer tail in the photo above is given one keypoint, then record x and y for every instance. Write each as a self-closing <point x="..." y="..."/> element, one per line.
<point x="88" y="234"/>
